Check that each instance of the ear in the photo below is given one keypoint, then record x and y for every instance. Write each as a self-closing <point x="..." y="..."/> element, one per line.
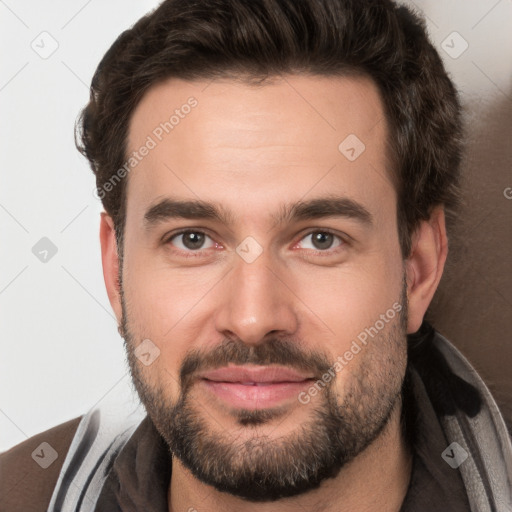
<point x="425" y="266"/>
<point x="110" y="262"/>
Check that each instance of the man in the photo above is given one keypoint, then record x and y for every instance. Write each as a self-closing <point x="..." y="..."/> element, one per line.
<point x="276" y="177"/>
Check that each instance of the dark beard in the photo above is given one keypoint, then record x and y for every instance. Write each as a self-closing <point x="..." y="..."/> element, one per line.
<point x="263" y="468"/>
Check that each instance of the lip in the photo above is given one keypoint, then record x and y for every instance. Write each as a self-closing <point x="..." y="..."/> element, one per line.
<point x="255" y="374"/>
<point x="255" y="387"/>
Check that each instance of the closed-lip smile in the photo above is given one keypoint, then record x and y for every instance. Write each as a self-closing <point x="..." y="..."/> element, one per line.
<point x="254" y="387"/>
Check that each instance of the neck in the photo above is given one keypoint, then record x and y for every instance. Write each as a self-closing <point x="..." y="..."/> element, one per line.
<point x="377" y="479"/>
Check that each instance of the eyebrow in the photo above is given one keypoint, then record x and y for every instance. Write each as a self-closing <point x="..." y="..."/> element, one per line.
<point x="321" y="207"/>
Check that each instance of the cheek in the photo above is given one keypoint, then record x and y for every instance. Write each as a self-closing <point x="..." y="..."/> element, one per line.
<point x="375" y="360"/>
<point x="170" y="307"/>
<point x="359" y="307"/>
<point x="161" y="297"/>
<point x="349" y="299"/>
<point x="154" y="309"/>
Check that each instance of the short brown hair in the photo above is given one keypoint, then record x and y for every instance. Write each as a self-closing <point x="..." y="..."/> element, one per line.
<point x="259" y="39"/>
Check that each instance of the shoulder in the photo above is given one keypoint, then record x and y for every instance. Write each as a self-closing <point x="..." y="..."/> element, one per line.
<point x="29" y="470"/>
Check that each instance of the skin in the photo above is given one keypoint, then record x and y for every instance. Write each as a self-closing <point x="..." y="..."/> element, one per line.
<point x="251" y="149"/>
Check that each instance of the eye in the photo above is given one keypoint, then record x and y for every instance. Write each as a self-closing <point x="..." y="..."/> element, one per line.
<point x="191" y="241"/>
<point x="323" y="241"/>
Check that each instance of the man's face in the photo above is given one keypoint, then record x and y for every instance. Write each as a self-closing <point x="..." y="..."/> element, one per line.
<point x="249" y="313"/>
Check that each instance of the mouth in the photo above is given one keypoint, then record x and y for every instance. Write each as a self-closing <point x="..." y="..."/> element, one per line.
<point x="255" y="387"/>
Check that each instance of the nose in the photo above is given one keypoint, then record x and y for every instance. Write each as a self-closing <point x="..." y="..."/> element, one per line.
<point x="256" y="302"/>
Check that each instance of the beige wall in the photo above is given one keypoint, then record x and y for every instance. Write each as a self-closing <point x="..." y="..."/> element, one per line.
<point x="473" y="306"/>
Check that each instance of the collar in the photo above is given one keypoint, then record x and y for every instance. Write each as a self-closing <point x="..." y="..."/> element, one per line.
<point x="141" y="474"/>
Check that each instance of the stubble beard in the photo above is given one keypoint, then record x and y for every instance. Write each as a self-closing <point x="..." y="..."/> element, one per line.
<point x="262" y="467"/>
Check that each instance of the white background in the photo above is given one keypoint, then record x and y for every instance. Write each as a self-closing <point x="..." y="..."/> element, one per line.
<point x="60" y="351"/>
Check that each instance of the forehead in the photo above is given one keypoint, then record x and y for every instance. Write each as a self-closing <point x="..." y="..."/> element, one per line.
<point x="228" y="142"/>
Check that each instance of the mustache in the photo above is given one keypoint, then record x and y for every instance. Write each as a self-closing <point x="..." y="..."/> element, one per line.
<point x="273" y="352"/>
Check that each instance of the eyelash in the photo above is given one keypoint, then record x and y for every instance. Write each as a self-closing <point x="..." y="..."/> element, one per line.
<point x="198" y="253"/>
